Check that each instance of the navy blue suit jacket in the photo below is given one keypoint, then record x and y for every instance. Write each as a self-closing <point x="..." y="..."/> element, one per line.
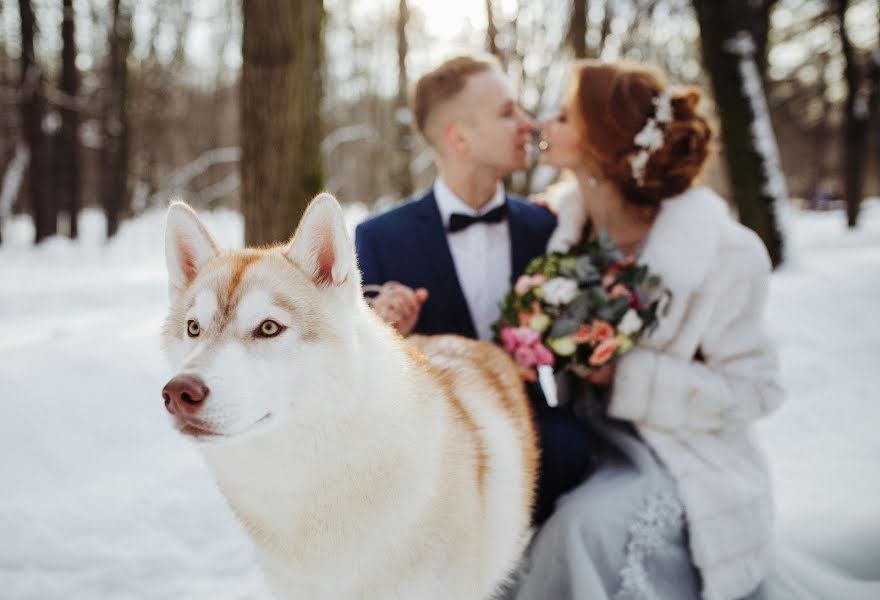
<point x="408" y="245"/>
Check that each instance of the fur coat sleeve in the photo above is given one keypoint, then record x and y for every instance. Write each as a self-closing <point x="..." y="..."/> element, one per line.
<point x="730" y="379"/>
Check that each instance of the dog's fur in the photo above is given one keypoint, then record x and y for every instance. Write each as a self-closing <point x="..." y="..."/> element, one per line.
<point x="362" y="465"/>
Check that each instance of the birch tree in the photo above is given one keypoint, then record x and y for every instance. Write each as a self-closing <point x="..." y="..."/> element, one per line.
<point x="728" y="33"/>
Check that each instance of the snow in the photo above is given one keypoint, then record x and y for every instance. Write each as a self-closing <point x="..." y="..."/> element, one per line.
<point x="100" y="498"/>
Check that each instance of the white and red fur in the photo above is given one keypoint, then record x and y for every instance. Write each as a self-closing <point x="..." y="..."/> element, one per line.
<point x="362" y="465"/>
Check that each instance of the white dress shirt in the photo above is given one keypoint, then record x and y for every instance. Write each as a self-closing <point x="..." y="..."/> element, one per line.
<point x="481" y="254"/>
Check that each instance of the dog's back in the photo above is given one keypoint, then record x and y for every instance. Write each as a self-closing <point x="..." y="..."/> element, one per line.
<point x="362" y="465"/>
<point x="488" y="401"/>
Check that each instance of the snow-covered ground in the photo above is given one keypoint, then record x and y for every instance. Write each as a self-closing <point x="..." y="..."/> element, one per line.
<point x="99" y="498"/>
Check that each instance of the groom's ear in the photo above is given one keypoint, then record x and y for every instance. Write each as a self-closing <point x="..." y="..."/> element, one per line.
<point x="454" y="137"/>
<point x="321" y="246"/>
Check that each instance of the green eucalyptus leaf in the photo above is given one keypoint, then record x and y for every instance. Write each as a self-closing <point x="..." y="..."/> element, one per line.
<point x="564" y="326"/>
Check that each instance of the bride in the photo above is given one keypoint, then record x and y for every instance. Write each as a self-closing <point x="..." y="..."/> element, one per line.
<point x="681" y="505"/>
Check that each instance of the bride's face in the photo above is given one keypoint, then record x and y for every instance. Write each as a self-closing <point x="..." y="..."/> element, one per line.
<point x="562" y="144"/>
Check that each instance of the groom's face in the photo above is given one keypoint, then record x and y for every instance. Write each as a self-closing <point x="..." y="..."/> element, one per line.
<point x="494" y="131"/>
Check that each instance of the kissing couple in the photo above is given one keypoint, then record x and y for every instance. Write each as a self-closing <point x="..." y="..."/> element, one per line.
<point x="656" y="491"/>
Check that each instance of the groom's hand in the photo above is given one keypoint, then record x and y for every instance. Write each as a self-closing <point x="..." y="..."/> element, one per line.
<point x="399" y="306"/>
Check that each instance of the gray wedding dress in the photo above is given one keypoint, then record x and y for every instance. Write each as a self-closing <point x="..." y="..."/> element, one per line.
<point x="621" y="534"/>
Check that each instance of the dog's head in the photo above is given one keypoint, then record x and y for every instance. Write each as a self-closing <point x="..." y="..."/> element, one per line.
<point x="258" y="336"/>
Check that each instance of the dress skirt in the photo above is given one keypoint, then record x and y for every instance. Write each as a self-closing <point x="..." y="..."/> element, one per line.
<point x="621" y="534"/>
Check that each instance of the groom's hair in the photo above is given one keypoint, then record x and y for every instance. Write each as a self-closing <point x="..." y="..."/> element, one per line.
<point x="441" y="85"/>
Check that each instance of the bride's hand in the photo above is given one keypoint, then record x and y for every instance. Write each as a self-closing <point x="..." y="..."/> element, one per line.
<point x="399" y="306"/>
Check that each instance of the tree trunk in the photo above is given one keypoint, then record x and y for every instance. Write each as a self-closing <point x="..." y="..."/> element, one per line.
<point x="32" y="110"/>
<point x="281" y="92"/>
<point x="860" y="101"/>
<point x="67" y="188"/>
<point x="114" y="152"/>
<point x="401" y="176"/>
<point x="577" y="32"/>
<point x="492" y="32"/>
<point x="750" y="151"/>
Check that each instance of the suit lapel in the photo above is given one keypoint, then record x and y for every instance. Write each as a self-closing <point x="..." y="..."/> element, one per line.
<point x="448" y="292"/>
<point x="519" y="247"/>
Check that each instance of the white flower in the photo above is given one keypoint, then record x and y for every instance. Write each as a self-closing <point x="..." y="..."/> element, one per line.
<point x="638" y="162"/>
<point x="560" y="290"/>
<point x="663" y="107"/>
<point x="630" y="323"/>
<point x="650" y="137"/>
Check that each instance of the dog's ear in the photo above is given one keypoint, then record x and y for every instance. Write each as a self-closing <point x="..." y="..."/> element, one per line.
<point x="188" y="246"/>
<point x="321" y="246"/>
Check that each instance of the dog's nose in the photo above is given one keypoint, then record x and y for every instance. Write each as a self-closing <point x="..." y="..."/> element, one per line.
<point x="184" y="394"/>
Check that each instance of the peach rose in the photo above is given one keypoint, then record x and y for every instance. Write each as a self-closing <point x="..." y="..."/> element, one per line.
<point x="583" y="334"/>
<point x="603" y="352"/>
<point x="602" y="330"/>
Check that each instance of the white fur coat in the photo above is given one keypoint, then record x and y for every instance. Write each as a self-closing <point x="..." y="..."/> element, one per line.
<point x="697" y="414"/>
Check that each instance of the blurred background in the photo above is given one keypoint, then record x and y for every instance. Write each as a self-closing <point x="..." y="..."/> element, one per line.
<point x="257" y="105"/>
<point x="247" y="108"/>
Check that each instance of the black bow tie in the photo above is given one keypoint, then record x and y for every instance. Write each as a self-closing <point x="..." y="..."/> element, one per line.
<point x="458" y="221"/>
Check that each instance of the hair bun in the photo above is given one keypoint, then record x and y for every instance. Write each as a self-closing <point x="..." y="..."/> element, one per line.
<point x="684" y="104"/>
<point x="614" y="103"/>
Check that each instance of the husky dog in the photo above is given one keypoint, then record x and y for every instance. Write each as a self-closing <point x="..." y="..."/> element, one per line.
<point x="361" y="465"/>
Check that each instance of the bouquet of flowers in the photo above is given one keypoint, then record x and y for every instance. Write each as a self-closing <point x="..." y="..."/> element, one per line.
<point x="581" y="310"/>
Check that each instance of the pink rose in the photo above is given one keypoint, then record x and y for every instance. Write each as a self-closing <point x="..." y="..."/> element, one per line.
<point x="526" y="336"/>
<point x="525" y="356"/>
<point x="527" y="282"/>
<point x="543" y="356"/>
<point x="603" y="352"/>
<point x="508" y="339"/>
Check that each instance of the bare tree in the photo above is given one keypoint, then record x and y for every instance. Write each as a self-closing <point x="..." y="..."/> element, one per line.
<point x="32" y="111"/>
<point x="115" y="122"/>
<point x="67" y="182"/>
<point x="492" y="32"/>
<point x="861" y="101"/>
<point x="281" y="91"/>
<point x="577" y="31"/>
<point x="401" y="175"/>
<point x="734" y="61"/>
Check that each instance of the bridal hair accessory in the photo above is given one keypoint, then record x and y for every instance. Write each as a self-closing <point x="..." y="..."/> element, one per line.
<point x="650" y="138"/>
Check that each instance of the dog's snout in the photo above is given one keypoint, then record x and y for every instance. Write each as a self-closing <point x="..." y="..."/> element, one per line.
<point x="184" y="393"/>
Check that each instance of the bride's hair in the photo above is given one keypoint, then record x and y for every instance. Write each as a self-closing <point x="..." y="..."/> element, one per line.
<point x="613" y="103"/>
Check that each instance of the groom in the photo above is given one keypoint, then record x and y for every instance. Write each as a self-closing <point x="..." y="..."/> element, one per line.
<point x="459" y="247"/>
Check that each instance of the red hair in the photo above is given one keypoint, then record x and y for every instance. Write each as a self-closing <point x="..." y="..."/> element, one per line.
<point x="612" y="102"/>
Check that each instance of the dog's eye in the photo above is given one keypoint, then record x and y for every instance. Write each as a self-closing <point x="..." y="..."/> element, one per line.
<point x="269" y="328"/>
<point x="192" y="328"/>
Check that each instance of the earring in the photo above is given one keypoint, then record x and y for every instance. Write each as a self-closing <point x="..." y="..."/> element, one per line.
<point x="543" y="146"/>
<point x="592" y="182"/>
